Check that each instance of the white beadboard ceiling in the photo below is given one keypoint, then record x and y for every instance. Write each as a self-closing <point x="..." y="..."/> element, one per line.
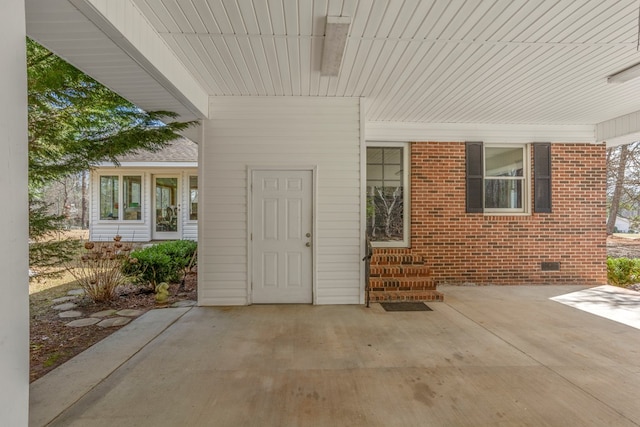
<point x="500" y="61"/>
<point x="414" y="61"/>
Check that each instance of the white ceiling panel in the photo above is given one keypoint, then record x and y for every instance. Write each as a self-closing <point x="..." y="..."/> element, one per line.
<point x="414" y="61"/>
<point x="502" y="61"/>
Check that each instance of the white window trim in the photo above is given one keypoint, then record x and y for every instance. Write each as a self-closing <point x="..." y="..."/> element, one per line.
<point x="526" y="177"/>
<point x="188" y="195"/>
<point x="121" y="219"/>
<point x="406" y="199"/>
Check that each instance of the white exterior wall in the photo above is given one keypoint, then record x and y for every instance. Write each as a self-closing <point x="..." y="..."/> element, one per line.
<point x="14" y="316"/>
<point x="138" y="231"/>
<point x="281" y="132"/>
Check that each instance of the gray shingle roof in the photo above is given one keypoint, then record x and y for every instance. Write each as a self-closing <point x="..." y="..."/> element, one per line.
<point x="180" y="150"/>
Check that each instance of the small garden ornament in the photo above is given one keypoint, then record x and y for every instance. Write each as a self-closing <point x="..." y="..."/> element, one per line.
<point x="162" y="293"/>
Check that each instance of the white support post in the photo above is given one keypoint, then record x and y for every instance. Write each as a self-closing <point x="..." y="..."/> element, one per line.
<point x="14" y="286"/>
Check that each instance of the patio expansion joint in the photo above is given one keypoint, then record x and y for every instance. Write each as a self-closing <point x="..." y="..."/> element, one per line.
<point x="543" y="365"/>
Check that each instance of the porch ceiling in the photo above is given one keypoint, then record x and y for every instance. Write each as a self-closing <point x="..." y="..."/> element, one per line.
<point x="415" y="61"/>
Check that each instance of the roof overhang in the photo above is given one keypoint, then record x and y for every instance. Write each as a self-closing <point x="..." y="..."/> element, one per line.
<point x="148" y="165"/>
<point x="120" y="50"/>
<point x="428" y="71"/>
<point x="619" y="131"/>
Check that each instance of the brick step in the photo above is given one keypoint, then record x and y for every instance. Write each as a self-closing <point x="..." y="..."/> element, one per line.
<point x="397" y="259"/>
<point x="399" y="271"/>
<point x="385" y="296"/>
<point x="401" y="283"/>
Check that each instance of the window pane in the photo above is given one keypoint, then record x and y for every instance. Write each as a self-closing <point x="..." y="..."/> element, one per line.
<point x="503" y="161"/>
<point x="503" y="194"/>
<point x="385" y="194"/>
<point x="374" y="156"/>
<point x="108" y="197"/>
<point x="393" y="172"/>
<point x="131" y="197"/>
<point x="374" y="172"/>
<point x="193" y="197"/>
<point x="393" y="156"/>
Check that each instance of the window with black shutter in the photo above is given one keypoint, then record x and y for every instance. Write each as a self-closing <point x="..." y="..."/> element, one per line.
<point x="542" y="177"/>
<point x="497" y="178"/>
<point x="474" y="168"/>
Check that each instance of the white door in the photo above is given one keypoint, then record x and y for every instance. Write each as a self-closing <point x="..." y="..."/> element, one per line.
<point x="167" y="217"/>
<point x="281" y="236"/>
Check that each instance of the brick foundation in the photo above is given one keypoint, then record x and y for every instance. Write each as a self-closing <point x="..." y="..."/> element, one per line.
<point x="489" y="249"/>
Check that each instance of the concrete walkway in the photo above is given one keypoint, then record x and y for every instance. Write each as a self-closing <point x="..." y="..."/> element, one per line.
<point x="488" y="356"/>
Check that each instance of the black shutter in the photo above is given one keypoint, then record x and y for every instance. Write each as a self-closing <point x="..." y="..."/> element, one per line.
<point x="475" y="188"/>
<point x="542" y="177"/>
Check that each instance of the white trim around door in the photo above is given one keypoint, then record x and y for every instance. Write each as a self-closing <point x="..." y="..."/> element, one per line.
<point x="166" y="200"/>
<point x="281" y="241"/>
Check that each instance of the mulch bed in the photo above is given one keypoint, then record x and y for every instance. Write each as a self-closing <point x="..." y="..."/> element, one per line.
<point x="52" y="343"/>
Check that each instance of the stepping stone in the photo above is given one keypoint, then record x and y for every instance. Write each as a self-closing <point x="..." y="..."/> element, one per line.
<point x="64" y="299"/>
<point x="184" y="303"/>
<point x="66" y="306"/>
<point x="114" y="321"/>
<point x="76" y="292"/>
<point x="129" y="312"/>
<point x="103" y="313"/>
<point x="70" y="313"/>
<point x="87" y="321"/>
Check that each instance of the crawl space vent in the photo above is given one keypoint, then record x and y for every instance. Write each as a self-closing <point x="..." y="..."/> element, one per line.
<point x="550" y="266"/>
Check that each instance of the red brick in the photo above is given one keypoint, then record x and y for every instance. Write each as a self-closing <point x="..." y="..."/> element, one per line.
<point x="459" y="247"/>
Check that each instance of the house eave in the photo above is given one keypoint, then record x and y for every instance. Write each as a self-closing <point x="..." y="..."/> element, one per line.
<point x="148" y="165"/>
<point x="487" y="132"/>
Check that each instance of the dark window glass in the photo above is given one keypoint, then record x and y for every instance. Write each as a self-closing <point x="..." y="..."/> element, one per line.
<point x="385" y="194"/>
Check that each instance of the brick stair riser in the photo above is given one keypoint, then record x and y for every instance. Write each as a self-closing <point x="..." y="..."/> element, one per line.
<point x="401" y="277"/>
<point x="399" y="271"/>
<point x="380" y="284"/>
<point x="405" y="296"/>
<point x="384" y="259"/>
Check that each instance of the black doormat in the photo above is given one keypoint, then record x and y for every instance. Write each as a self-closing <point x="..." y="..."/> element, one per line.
<point x="405" y="306"/>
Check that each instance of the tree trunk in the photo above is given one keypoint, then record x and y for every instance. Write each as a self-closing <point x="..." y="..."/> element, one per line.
<point x="617" y="191"/>
<point x="83" y="202"/>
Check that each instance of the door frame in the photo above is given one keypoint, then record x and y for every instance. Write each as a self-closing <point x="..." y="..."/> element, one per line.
<point x="160" y="235"/>
<point x="314" y="241"/>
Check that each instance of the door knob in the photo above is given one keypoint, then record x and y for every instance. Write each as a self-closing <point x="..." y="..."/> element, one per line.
<point x="308" y="244"/>
<point x="308" y="234"/>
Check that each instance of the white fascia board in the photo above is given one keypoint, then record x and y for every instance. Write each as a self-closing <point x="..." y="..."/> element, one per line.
<point x="493" y="133"/>
<point x="148" y="165"/>
<point x="619" y="130"/>
<point x="194" y="133"/>
<point x="127" y="27"/>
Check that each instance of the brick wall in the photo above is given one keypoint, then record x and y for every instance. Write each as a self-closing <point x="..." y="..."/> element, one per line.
<point x="483" y="249"/>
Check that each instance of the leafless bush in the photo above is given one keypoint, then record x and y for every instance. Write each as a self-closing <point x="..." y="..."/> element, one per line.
<point x="99" y="269"/>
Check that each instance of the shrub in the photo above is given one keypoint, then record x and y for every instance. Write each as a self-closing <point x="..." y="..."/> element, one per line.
<point x="164" y="262"/>
<point x="623" y="271"/>
<point x="99" y="270"/>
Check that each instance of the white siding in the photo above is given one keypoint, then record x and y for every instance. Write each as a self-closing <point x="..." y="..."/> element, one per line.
<point x="280" y="132"/>
<point x="139" y="231"/>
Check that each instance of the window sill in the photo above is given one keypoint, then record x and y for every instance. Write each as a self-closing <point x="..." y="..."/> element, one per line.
<point x="120" y="221"/>
<point x="506" y="213"/>
<point x="391" y="245"/>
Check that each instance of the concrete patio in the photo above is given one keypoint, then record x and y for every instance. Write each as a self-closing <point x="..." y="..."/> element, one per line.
<point x="487" y="356"/>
